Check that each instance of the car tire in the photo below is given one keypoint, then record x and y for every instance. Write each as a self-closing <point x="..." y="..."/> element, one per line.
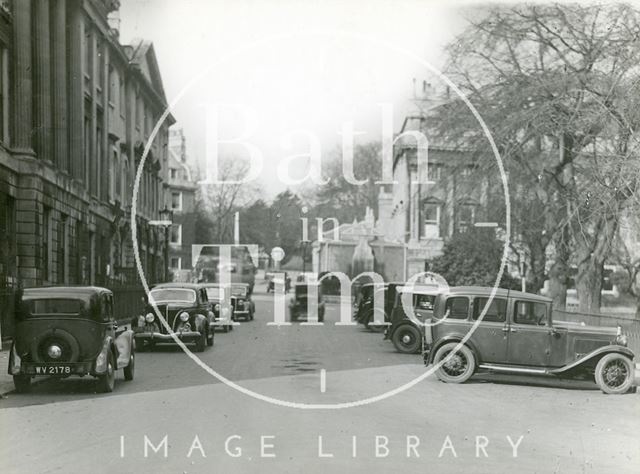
<point x="201" y="343"/>
<point x="614" y="374"/>
<point x="210" y="336"/>
<point x="129" y="370"/>
<point x="459" y="368"/>
<point x="22" y="383"/>
<point x="407" y="339"/>
<point x="107" y="381"/>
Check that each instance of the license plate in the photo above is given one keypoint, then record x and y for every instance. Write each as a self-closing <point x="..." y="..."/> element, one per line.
<point x="57" y="369"/>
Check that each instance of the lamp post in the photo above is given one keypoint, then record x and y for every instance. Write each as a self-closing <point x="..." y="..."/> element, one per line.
<point x="166" y="219"/>
<point x="305" y="244"/>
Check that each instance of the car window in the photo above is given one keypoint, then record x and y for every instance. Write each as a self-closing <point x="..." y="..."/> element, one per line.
<point x="529" y="312"/>
<point x="165" y="295"/>
<point x="457" y="307"/>
<point x="51" y="306"/>
<point x="424" y="302"/>
<point x="497" y="311"/>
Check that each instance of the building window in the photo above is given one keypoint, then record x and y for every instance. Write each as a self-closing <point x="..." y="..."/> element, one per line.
<point x="46" y="244"/>
<point x="62" y="249"/>
<point x="122" y="105"/>
<point x="175" y="236"/>
<point x="434" y="172"/>
<point x="87" y="144"/>
<point x="124" y="183"/>
<point x="101" y="65"/>
<point x="176" y="200"/>
<point x="4" y="95"/>
<point x="116" y="176"/>
<point x="97" y="163"/>
<point x="466" y="216"/>
<point x="431" y="220"/>
<point x="88" y="52"/>
<point x="173" y="173"/>
<point x="176" y="263"/>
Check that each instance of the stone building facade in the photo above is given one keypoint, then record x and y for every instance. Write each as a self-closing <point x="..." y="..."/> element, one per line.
<point x="77" y="109"/>
<point x="181" y="199"/>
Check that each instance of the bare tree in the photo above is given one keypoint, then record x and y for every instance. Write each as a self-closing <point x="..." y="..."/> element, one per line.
<point x="217" y="203"/>
<point x="558" y="86"/>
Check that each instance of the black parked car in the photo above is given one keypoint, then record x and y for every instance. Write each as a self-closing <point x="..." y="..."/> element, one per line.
<point x="64" y="331"/>
<point x="298" y="304"/>
<point x="365" y="304"/>
<point x="403" y="332"/>
<point x="185" y="308"/>
<point x="222" y="305"/>
<point x="241" y="301"/>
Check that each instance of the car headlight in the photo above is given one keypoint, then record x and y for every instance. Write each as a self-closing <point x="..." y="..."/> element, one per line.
<point x="622" y="340"/>
<point x="149" y="317"/>
<point x="184" y="316"/>
<point x="217" y="307"/>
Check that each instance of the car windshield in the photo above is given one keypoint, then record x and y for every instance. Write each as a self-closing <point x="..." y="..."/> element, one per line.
<point x="214" y="292"/>
<point x="238" y="291"/>
<point x="66" y="306"/>
<point x="165" y="295"/>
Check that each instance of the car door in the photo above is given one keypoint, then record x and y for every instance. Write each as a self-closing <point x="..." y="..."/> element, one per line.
<point x="490" y="337"/>
<point x="529" y="333"/>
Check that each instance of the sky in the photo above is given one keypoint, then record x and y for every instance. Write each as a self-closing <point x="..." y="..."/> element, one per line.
<point x="285" y="76"/>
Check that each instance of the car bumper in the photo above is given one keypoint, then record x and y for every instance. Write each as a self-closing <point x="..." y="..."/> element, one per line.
<point x="241" y="312"/>
<point x="184" y="336"/>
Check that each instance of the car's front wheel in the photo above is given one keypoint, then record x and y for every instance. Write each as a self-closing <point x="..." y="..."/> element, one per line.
<point x="22" y="383"/>
<point x="210" y="335"/>
<point x="614" y="374"/>
<point x="455" y="366"/>
<point x="201" y="342"/>
<point x="107" y="381"/>
<point x="406" y="339"/>
<point x="130" y="369"/>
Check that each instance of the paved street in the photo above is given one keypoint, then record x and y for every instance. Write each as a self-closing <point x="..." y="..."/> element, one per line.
<point x="566" y="427"/>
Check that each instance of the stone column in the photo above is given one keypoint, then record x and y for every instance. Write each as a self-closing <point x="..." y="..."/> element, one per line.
<point x="76" y="92"/>
<point x="22" y="84"/>
<point x="59" y="72"/>
<point x="42" y="79"/>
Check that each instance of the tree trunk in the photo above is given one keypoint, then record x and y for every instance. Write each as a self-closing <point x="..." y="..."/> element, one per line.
<point x="589" y="285"/>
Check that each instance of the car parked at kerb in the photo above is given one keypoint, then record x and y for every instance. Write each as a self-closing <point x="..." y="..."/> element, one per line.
<point x="220" y="297"/>
<point x="517" y="335"/>
<point x="69" y="330"/>
<point x="243" y="305"/>
<point x="187" y="311"/>
<point x="404" y="332"/>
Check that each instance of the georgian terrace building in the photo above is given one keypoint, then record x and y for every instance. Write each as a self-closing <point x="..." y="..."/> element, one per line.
<point x="77" y="108"/>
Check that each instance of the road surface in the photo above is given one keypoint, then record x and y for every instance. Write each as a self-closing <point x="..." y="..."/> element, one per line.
<point x="493" y="424"/>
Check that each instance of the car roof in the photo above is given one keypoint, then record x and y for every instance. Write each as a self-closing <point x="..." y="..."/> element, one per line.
<point x="422" y="289"/>
<point x="487" y="290"/>
<point x="65" y="290"/>
<point x="188" y="286"/>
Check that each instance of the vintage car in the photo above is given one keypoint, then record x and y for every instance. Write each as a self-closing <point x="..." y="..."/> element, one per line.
<point x="518" y="335"/>
<point x="365" y="304"/>
<point x="187" y="311"/>
<point x="298" y="303"/>
<point x="64" y="331"/>
<point x="243" y="306"/>
<point x="276" y="278"/>
<point x="405" y="334"/>
<point x="220" y="297"/>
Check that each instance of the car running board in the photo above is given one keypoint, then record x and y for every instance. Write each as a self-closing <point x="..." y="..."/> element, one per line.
<point x="517" y="370"/>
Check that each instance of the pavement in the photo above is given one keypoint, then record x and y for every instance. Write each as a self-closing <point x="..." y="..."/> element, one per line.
<point x="491" y="424"/>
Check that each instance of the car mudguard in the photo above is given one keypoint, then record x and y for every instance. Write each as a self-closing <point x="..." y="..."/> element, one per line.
<point x="450" y="338"/>
<point x="594" y="354"/>
<point x="124" y="346"/>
